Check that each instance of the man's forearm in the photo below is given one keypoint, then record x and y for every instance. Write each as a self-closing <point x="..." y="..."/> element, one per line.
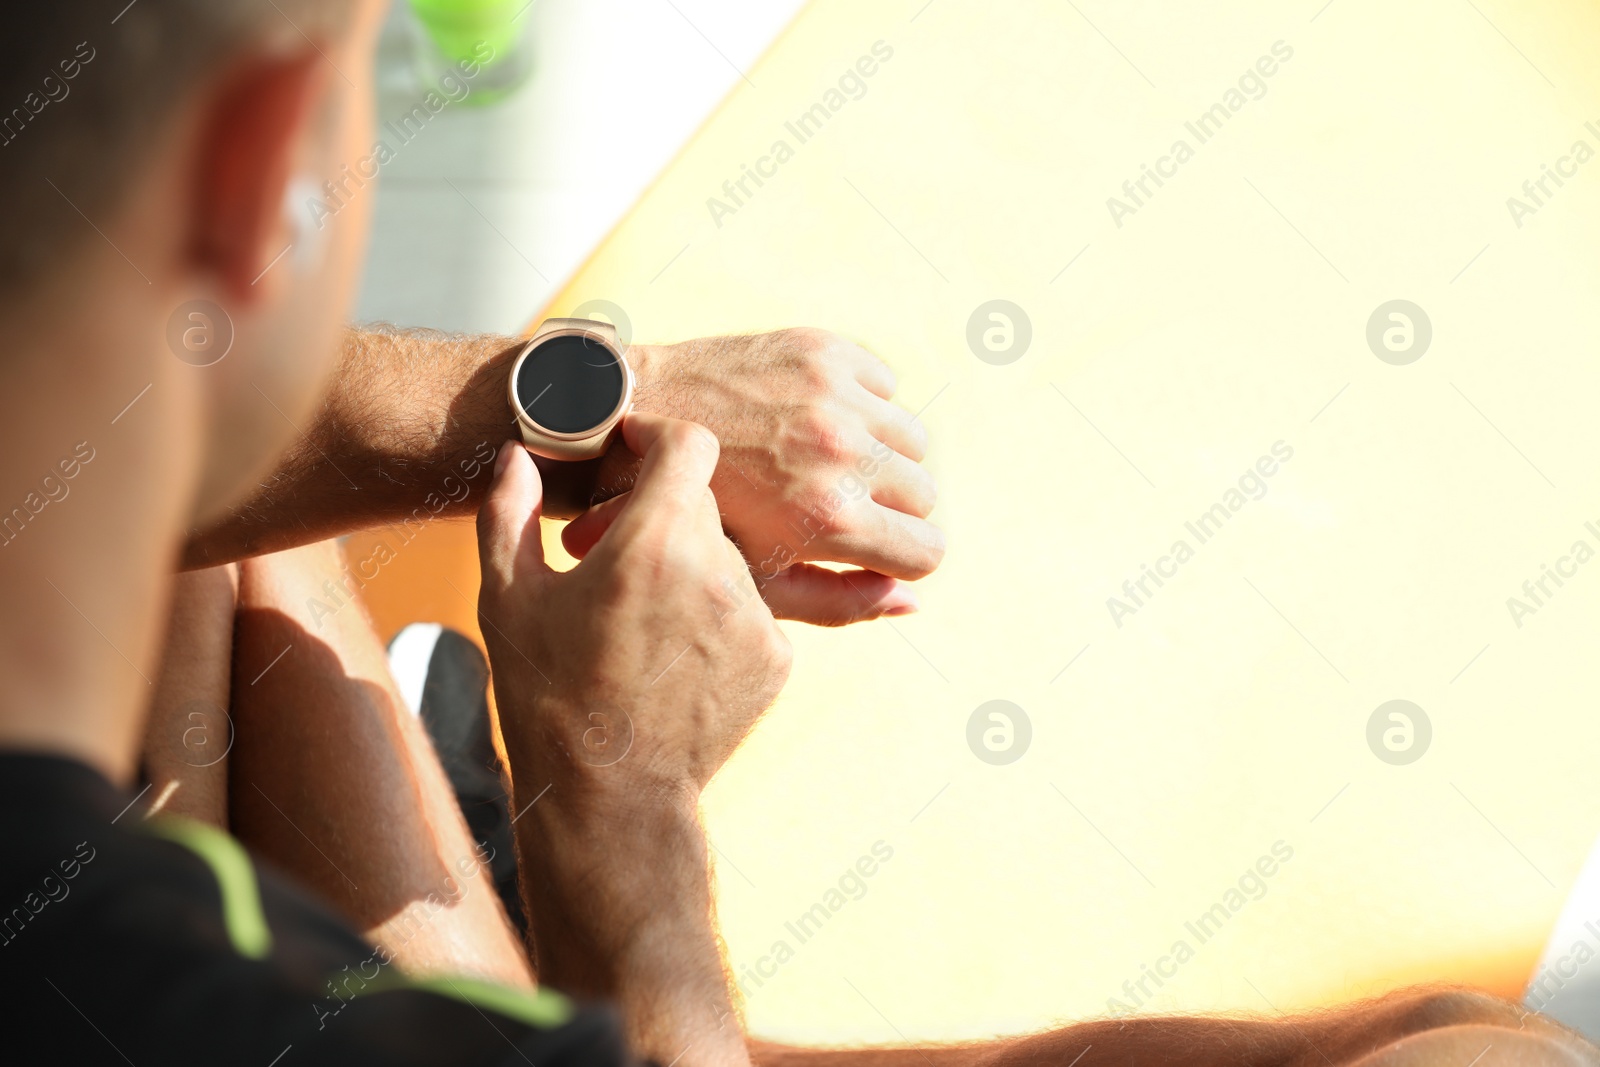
<point x="1436" y="1027"/>
<point x="407" y="433"/>
<point x="619" y="903"/>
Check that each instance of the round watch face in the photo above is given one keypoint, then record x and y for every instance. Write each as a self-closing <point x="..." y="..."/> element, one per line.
<point x="570" y="384"/>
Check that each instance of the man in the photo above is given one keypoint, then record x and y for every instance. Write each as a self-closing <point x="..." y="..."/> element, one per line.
<point x="145" y="168"/>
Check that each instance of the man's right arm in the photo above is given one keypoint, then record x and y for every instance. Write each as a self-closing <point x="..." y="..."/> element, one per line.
<point x="622" y="686"/>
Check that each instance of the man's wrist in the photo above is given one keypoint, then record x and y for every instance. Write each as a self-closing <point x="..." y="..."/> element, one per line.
<point x="646" y="361"/>
<point x="591" y="796"/>
<point x="613" y="864"/>
<point x="620" y="908"/>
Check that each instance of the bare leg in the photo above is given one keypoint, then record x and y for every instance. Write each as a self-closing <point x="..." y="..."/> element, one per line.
<point x="335" y="781"/>
<point x="189" y="732"/>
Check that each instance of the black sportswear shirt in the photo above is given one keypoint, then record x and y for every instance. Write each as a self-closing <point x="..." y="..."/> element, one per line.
<point x="160" y="943"/>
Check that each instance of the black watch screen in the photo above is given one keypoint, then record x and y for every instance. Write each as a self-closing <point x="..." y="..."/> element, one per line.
<point x="570" y="384"/>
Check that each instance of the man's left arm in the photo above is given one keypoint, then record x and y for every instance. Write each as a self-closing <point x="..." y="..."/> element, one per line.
<point x="817" y="463"/>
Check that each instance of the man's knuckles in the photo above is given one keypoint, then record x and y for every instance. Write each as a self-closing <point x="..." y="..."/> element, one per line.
<point x="820" y="359"/>
<point x="821" y="435"/>
<point x="819" y="511"/>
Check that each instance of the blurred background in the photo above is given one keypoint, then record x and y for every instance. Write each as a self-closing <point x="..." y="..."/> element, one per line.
<point x="498" y="199"/>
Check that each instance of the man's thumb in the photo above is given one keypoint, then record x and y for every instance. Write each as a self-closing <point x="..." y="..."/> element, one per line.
<point x="508" y="518"/>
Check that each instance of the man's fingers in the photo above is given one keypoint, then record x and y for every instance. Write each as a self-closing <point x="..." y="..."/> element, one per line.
<point x="884" y="540"/>
<point x="583" y="532"/>
<point x="678" y="459"/>
<point x="895" y="427"/>
<point x="823" y="597"/>
<point x="508" y="519"/>
<point x="870" y="371"/>
<point x="904" y="486"/>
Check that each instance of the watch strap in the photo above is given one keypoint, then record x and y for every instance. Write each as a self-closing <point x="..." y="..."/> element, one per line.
<point x="604" y="329"/>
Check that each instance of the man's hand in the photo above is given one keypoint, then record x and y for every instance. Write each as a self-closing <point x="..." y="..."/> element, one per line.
<point x="659" y="626"/>
<point x="816" y="465"/>
<point x="622" y="686"/>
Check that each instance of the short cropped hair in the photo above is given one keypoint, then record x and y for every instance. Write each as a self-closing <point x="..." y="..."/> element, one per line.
<point x="85" y="86"/>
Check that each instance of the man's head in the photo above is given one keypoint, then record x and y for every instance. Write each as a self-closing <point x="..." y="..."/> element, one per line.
<point x="149" y="157"/>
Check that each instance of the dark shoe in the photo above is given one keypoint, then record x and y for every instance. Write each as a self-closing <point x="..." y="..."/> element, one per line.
<point x="454" y="708"/>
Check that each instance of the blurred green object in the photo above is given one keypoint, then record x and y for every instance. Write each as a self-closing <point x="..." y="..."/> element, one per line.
<point x="458" y="35"/>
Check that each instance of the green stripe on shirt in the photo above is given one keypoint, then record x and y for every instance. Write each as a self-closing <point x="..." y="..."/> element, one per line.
<point x="230" y="864"/>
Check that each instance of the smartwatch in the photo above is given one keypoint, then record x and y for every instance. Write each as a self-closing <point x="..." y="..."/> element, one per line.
<point x="570" y="388"/>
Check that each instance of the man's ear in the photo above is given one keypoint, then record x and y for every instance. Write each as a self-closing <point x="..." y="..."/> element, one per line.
<point x="253" y="133"/>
